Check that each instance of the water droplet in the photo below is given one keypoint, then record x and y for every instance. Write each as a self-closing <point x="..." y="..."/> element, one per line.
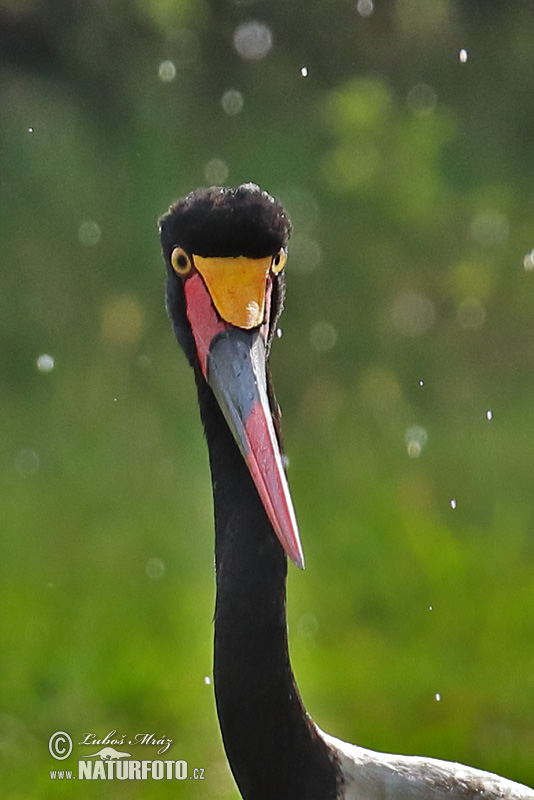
<point x="305" y="253"/>
<point x="431" y="608"/>
<point x="253" y="40"/>
<point x="437" y="697"/>
<point x="365" y="7"/>
<point x="323" y="337"/>
<point x="232" y="102"/>
<point x="167" y="71"/>
<point x="463" y="55"/>
<point x="207" y="680"/>
<point x="27" y="462"/>
<point x="45" y="362"/>
<point x="422" y="98"/>
<point x="415" y="437"/>
<point x="414" y="449"/>
<point x="490" y="228"/>
<point x="30" y="130"/>
<point x="304" y="72"/>
<point x="216" y="171"/>
<point x="489" y="414"/>
<point x="89" y="233"/>
<point x="413" y="313"/>
<point x="307" y="626"/>
<point x="453" y="504"/>
<point x="421" y="383"/>
<point x="122" y="320"/>
<point x="155" y="569"/>
<point x="279" y="333"/>
<point x="471" y="313"/>
<point x="144" y="361"/>
<point x="528" y="261"/>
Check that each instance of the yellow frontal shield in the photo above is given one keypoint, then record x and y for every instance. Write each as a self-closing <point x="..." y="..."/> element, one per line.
<point x="237" y="287"/>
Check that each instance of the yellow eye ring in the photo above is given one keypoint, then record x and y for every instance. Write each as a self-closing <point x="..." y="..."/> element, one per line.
<point x="181" y="262"/>
<point x="279" y="261"/>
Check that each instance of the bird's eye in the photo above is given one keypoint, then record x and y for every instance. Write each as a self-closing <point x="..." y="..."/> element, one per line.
<point x="181" y="262"/>
<point x="279" y="261"/>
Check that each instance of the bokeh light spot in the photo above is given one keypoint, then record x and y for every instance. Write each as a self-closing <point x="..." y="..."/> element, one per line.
<point x="490" y="228"/>
<point x="232" y="102"/>
<point x="528" y="261"/>
<point x="216" y="171"/>
<point x="415" y="437"/>
<point x="27" y="462"/>
<point x="471" y="313"/>
<point x="413" y="313"/>
<point x="167" y="71"/>
<point x="45" y="362"/>
<point x="305" y="254"/>
<point x="422" y="98"/>
<point x="323" y="337"/>
<point x="155" y="569"/>
<point x="89" y="233"/>
<point x="365" y="7"/>
<point x="253" y="40"/>
<point x="122" y="320"/>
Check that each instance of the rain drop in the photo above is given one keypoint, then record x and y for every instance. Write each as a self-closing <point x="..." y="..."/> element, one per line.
<point x="365" y="7"/>
<point x="323" y="337"/>
<point x="422" y="99"/>
<point x="232" y="102"/>
<point x="167" y="71"/>
<point x="413" y="314"/>
<point x="207" y="680"/>
<point x="463" y="55"/>
<point x="253" y="40"/>
<point x="27" y="462"/>
<point x="421" y="383"/>
<point x="89" y="233"/>
<point x="453" y="504"/>
<point x="144" y="361"/>
<point x="279" y="333"/>
<point x="431" y="608"/>
<point x="528" y="261"/>
<point x="216" y="171"/>
<point x="490" y="228"/>
<point x="304" y="72"/>
<point x="489" y="414"/>
<point x="45" y="362"/>
<point x="30" y="130"/>
<point x="155" y="569"/>
<point x="437" y="697"/>
<point x="415" y="437"/>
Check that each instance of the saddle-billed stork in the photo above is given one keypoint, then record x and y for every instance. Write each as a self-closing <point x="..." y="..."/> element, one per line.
<point x="225" y="251"/>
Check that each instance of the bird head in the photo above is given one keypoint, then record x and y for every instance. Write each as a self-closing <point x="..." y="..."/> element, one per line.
<point x="225" y="251"/>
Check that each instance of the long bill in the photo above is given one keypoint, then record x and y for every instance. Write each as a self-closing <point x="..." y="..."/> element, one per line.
<point x="236" y="373"/>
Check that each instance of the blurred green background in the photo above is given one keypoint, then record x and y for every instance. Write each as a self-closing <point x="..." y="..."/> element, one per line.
<point x="405" y="373"/>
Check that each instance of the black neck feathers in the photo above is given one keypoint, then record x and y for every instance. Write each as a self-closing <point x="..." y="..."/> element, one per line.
<point x="271" y="743"/>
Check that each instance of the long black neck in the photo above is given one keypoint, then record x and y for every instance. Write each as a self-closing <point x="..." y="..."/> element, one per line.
<point x="272" y="746"/>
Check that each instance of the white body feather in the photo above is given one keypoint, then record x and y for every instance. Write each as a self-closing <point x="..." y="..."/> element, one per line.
<point x="369" y="775"/>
